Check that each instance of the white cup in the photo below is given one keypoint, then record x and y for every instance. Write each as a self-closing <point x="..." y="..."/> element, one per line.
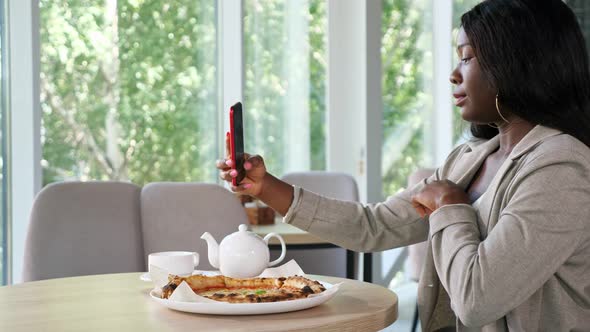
<point x="181" y="263"/>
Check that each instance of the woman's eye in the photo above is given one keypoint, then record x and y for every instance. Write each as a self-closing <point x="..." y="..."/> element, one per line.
<point x="466" y="60"/>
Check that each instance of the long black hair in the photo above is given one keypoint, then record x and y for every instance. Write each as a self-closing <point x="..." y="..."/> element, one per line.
<point x="533" y="53"/>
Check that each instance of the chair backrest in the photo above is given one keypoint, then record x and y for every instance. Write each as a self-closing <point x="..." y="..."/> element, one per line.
<point x="83" y="228"/>
<point x="417" y="252"/>
<point x="326" y="261"/>
<point x="332" y="184"/>
<point x="175" y="215"/>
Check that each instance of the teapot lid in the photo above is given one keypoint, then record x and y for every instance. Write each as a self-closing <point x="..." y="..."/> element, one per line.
<point x="243" y="233"/>
<point x="243" y="237"/>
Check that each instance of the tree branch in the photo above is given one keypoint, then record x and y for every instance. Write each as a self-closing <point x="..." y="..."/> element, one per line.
<point x="67" y="115"/>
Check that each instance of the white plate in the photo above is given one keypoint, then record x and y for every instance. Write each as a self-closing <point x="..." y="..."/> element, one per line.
<point x="223" y="308"/>
<point x="146" y="276"/>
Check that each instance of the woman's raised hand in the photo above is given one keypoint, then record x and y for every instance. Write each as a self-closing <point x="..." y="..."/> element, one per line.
<point x="253" y="180"/>
<point x="436" y="195"/>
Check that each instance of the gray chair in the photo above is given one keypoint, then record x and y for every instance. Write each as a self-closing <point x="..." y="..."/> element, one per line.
<point x="175" y="215"/>
<point x="328" y="260"/>
<point x="331" y="184"/>
<point x="83" y="228"/>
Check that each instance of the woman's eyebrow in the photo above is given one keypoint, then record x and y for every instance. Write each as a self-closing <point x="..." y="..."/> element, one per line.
<point x="462" y="45"/>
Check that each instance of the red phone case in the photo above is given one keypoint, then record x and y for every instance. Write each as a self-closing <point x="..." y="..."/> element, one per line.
<point x="232" y="144"/>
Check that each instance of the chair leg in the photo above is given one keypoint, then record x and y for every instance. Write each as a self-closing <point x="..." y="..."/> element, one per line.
<point x="415" y="322"/>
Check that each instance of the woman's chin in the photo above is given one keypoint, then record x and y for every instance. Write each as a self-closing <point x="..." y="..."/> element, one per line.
<point x="471" y="117"/>
<point x="466" y="115"/>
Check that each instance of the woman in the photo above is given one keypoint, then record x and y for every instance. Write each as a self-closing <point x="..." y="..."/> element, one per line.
<point x="507" y="216"/>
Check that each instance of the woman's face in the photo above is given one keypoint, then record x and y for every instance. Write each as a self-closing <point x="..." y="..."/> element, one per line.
<point x="472" y="91"/>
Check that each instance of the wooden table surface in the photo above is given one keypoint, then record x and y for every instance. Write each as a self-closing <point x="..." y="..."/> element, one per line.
<point x="121" y="302"/>
<point x="290" y="233"/>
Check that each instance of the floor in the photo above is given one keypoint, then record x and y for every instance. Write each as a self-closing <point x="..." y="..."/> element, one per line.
<point x="406" y="293"/>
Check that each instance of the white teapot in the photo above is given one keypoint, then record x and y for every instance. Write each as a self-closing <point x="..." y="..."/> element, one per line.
<point x="242" y="254"/>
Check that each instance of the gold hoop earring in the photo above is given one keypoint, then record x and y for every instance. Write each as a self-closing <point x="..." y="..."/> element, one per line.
<point x="498" y="109"/>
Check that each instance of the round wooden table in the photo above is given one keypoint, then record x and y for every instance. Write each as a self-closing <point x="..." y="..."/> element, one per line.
<point x="120" y="302"/>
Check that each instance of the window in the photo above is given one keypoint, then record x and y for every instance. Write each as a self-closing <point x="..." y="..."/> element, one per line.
<point x="406" y="55"/>
<point x="285" y="75"/>
<point x="3" y="144"/>
<point x="129" y="90"/>
<point x="460" y="127"/>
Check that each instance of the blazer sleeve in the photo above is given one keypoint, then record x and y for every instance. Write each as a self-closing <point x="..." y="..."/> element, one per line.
<point x="359" y="227"/>
<point x="540" y="226"/>
<point x="365" y="228"/>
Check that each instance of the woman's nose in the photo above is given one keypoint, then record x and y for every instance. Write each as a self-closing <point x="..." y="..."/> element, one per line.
<point x="455" y="78"/>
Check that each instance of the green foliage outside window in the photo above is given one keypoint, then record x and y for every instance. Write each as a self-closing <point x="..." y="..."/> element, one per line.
<point x="269" y="75"/>
<point x="128" y="90"/>
<point x="405" y="103"/>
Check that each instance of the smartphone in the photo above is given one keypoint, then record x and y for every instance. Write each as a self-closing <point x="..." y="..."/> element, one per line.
<point x="236" y="139"/>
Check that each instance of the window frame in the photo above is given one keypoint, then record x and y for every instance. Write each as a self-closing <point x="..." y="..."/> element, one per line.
<point x="25" y="114"/>
<point x="5" y="258"/>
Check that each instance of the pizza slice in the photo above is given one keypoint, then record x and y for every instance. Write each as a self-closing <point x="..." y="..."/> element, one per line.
<point x="253" y="290"/>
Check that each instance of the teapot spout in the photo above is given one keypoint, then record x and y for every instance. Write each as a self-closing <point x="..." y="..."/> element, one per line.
<point x="212" y="249"/>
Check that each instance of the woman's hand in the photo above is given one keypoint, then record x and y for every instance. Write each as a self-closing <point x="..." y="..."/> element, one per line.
<point x="255" y="172"/>
<point x="437" y="194"/>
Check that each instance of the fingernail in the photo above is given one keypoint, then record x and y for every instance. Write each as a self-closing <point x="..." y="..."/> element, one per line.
<point x="229" y="162"/>
<point x="233" y="173"/>
<point x="247" y="185"/>
<point x="247" y="166"/>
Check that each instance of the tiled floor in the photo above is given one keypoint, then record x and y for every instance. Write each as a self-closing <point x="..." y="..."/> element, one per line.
<point x="407" y="304"/>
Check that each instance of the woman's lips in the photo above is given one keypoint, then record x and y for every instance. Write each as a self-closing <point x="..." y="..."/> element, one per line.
<point x="460" y="100"/>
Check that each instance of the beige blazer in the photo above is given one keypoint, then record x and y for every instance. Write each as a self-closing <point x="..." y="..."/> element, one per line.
<point x="520" y="262"/>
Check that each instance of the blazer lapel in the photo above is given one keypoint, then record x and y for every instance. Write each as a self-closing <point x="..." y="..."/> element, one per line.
<point x="467" y="166"/>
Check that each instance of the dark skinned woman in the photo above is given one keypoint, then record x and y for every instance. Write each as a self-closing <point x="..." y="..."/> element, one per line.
<point x="507" y="217"/>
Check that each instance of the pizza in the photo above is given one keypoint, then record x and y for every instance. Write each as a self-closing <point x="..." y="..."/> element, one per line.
<point x="253" y="290"/>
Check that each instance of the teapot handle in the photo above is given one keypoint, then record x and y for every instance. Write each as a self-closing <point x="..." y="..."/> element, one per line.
<point x="283" y="248"/>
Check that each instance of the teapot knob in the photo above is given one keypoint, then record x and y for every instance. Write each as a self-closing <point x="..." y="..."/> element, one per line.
<point x="243" y="228"/>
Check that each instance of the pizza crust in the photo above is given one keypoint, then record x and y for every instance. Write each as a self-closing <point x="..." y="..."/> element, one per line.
<point x="253" y="290"/>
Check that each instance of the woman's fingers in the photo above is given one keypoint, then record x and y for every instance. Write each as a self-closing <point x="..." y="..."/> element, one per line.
<point x="418" y="207"/>
<point x="253" y="161"/>
<point x="226" y="175"/>
<point x="422" y="209"/>
<point x="241" y="188"/>
<point x="222" y="164"/>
